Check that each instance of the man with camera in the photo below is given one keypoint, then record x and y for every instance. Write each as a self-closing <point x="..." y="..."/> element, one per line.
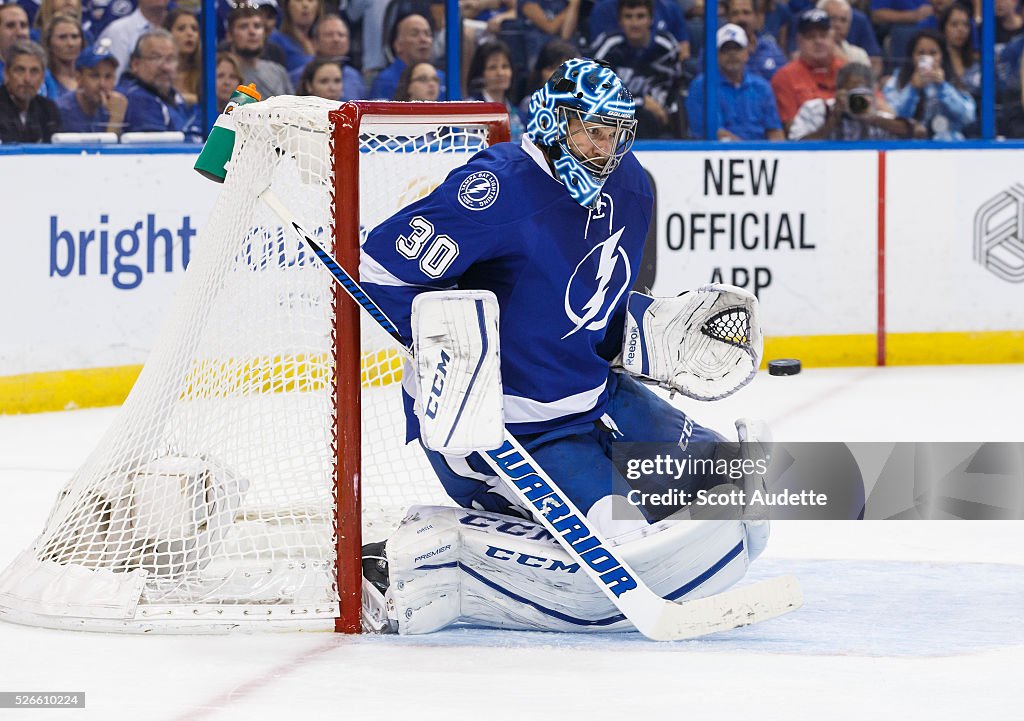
<point x="853" y="114"/>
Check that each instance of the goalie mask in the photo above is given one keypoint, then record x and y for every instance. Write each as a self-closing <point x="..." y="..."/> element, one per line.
<point x="582" y="117"/>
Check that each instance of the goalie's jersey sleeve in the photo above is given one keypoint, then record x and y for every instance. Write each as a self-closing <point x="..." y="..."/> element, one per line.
<point x="560" y="272"/>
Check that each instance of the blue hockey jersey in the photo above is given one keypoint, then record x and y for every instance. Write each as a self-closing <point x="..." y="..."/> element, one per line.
<point x="561" y="273"/>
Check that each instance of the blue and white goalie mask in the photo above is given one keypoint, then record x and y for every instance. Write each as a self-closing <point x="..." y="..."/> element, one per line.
<point x="583" y="118"/>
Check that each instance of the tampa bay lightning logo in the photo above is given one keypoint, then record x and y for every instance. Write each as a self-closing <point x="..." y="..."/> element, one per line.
<point x="479" y="190"/>
<point x="597" y="284"/>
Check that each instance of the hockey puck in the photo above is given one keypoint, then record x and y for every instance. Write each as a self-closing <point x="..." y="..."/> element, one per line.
<point x="784" y="367"/>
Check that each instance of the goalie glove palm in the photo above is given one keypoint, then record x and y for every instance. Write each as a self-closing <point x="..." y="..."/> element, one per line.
<point x="705" y="343"/>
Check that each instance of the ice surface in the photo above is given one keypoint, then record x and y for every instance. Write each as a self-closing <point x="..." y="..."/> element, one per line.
<point x="902" y="620"/>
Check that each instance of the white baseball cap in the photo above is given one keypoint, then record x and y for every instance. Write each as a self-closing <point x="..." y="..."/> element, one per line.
<point x="730" y="33"/>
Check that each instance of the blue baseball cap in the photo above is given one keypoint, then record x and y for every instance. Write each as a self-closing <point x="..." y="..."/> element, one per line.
<point x="94" y="55"/>
<point x="813" y="19"/>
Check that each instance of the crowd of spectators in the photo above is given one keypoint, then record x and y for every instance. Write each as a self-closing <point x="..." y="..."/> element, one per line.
<point x="796" y="69"/>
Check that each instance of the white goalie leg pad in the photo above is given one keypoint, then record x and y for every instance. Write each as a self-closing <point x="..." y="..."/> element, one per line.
<point x="705" y="343"/>
<point x="448" y="565"/>
<point x="455" y="343"/>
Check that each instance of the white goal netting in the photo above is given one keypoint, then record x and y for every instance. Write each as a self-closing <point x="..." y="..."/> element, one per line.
<point x="211" y="499"/>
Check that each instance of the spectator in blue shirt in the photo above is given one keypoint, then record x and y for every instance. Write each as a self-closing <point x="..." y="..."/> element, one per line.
<point x="62" y="39"/>
<point x="229" y="77"/>
<point x="1009" y="93"/>
<point x="926" y="90"/>
<point x="153" y="103"/>
<point x="94" y="107"/>
<point x="331" y="40"/>
<point x="862" y="34"/>
<point x="295" y="36"/>
<point x="413" y="42"/>
<point x="1009" y="23"/>
<point x="668" y="18"/>
<point x="549" y="59"/>
<point x="490" y="79"/>
<point x="777" y="21"/>
<point x="419" y="81"/>
<point x="32" y="8"/>
<point x="765" y="54"/>
<point x="48" y="9"/>
<point x="955" y="25"/>
<point x="545" y="20"/>
<point x="746" y="104"/>
<point x="184" y="28"/>
<point x="932" y="21"/>
<point x="956" y="10"/>
<point x="321" y="77"/>
<point x="13" y="27"/>
<point x="98" y="14"/>
<point x="898" y="20"/>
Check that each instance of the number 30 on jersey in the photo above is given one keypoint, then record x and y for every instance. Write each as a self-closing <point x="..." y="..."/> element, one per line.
<point x="441" y="251"/>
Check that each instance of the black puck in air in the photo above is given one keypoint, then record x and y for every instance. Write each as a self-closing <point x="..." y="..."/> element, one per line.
<point x="784" y="367"/>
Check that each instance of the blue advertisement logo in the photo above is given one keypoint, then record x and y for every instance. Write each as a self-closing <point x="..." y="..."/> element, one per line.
<point x="125" y="253"/>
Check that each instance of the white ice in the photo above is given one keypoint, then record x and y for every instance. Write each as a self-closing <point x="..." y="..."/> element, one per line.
<point x="902" y="620"/>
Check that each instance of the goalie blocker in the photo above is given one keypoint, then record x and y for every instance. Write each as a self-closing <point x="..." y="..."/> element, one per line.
<point x="455" y="347"/>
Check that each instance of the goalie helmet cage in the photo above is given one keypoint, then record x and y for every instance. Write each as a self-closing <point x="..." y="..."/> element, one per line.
<point x="264" y="437"/>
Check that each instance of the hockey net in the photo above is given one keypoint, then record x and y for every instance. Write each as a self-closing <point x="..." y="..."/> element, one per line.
<point x="226" y="494"/>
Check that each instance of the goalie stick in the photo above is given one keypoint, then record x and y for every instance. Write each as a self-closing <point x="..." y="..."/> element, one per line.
<point x="655" y="617"/>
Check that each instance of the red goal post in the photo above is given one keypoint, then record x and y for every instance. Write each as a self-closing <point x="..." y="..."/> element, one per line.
<point x="348" y="122"/>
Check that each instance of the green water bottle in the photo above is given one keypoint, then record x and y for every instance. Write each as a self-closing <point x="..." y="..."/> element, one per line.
<point x="217" y="151"/>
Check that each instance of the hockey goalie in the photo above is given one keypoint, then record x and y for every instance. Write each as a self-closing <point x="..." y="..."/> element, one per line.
<point x="511" y="283"/>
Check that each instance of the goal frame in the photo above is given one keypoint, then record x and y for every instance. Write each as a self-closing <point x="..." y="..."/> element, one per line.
<point x="127" y="544"/>
<point x="347" y="121"/>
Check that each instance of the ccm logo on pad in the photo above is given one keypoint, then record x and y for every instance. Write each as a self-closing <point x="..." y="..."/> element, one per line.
<point x="437" y="387"/>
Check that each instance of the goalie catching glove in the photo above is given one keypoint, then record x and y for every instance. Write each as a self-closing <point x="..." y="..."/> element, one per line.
<point x="704" y="343"/>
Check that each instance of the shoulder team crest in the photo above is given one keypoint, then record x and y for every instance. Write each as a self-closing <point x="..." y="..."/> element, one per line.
<point x="479" y="190"/>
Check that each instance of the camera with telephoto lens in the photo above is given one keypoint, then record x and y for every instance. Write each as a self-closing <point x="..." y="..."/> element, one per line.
<point x="859" y="100"/>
